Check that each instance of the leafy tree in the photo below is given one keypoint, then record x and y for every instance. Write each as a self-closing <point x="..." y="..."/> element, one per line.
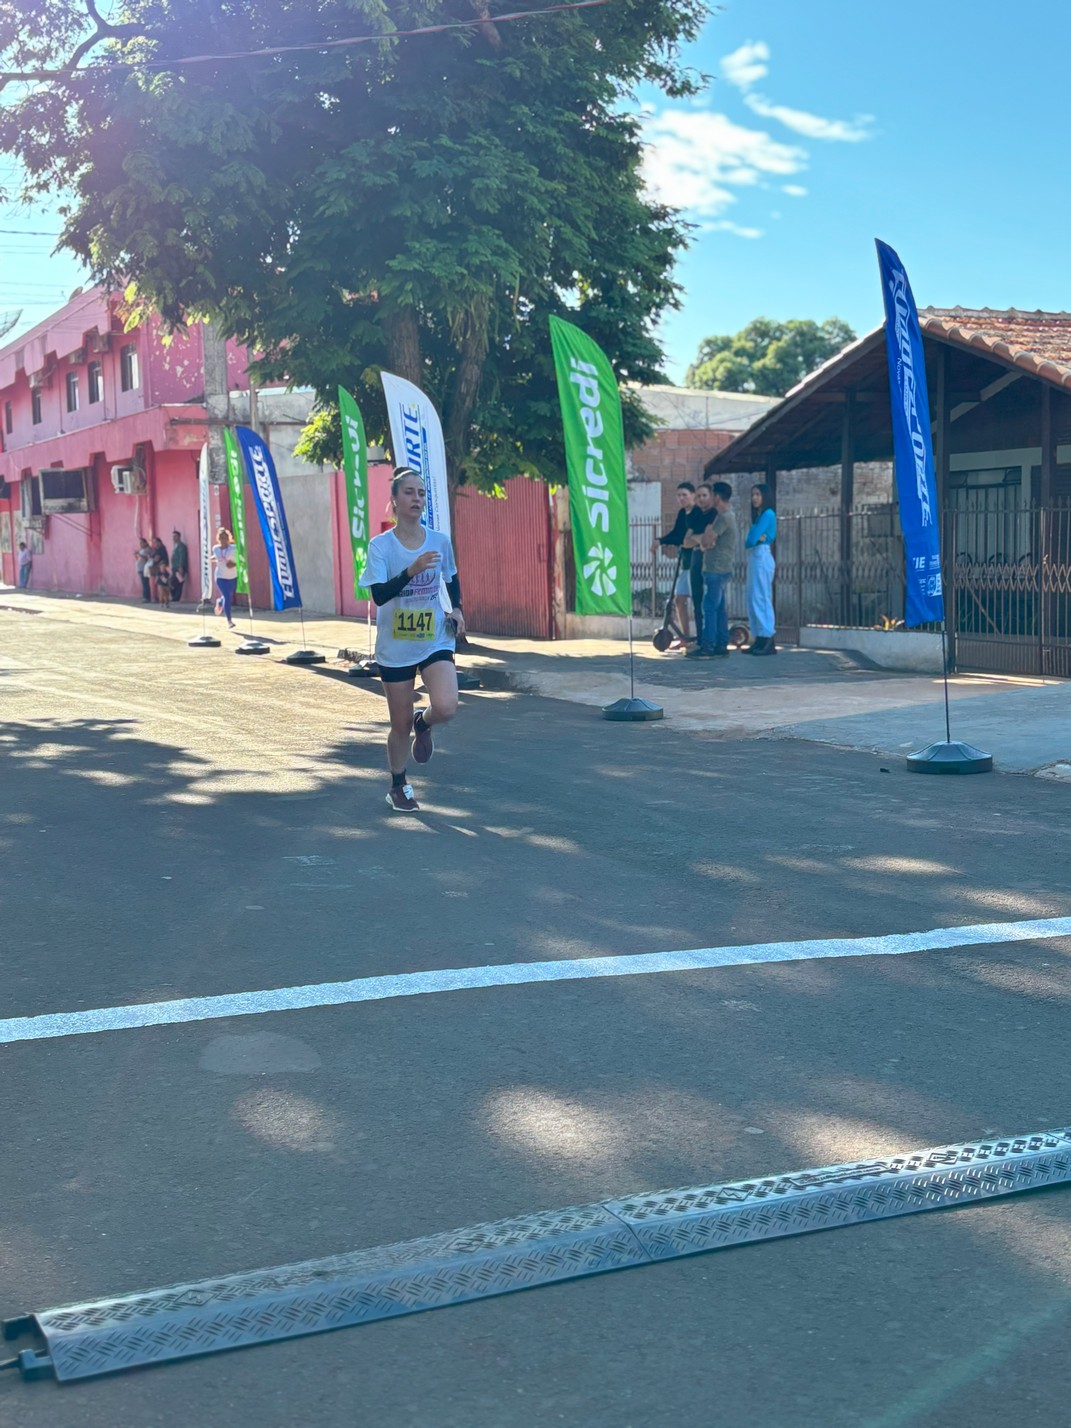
<point x="767" y="357"/>
<point x="421" y="204"/>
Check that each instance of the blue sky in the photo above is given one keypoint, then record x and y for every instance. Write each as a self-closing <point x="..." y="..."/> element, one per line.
<point x="943" y="136"/>
<point x="937" y="125"/>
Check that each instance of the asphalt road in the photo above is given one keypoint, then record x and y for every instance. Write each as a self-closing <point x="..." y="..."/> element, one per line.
<point x="177" y="823"/>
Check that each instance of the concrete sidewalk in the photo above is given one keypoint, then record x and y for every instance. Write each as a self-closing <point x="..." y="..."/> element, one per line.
<point x="826" y="696"/>
<point x="830" y="697"/>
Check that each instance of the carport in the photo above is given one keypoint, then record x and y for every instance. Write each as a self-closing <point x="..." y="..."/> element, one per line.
<point x="1000" y="408"/>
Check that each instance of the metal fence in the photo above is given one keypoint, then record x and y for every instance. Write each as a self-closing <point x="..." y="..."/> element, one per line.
<point x="652" y="575"/>
<point x="1010" y="587"/>
<point x="833" y="568"/>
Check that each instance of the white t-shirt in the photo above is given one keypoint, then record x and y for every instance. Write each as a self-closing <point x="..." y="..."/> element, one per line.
<point x="412" y="626"/>
<point x="221" y="554"/>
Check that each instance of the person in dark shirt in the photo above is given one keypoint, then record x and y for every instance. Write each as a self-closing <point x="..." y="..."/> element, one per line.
<point x="699" y="518"/>
<point x="180" y="565"/>
<point x="674" y="540"/>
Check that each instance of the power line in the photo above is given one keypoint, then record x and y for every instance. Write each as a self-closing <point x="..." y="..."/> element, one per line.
<point x="475" y="23"/>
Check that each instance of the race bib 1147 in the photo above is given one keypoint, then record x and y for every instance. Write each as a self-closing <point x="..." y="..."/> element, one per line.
<point x="414" y="624"/>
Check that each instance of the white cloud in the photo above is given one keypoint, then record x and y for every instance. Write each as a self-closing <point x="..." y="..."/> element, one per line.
<point x="747" y="64"/>
<point x="723" y="225"/>
<point x="812" y="126"/>
<point x="697" y="160"/>
<point x="750" y="63"/>
<point x="694" y="160"/>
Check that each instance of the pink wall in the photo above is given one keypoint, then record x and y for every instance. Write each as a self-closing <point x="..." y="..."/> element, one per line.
<point x="122" y="520"/>
<point x="172" y="371"/>
<point x="71" y="555"/>
<point x="175" y="482"/>
<point x="94" y="553"/>
<point x="56" y="420"/>
<point x="7" y="561"/>
<point x="504" y="549"/>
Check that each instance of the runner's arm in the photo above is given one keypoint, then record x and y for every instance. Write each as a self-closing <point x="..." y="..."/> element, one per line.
<point x="453" y="589"/>
<point x="384" y="590"/>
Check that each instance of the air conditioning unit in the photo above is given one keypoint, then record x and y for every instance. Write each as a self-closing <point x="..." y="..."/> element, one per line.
<point x="128" y="480"/>
<point x="100" y="342"/>
<point x="77" y="357"/>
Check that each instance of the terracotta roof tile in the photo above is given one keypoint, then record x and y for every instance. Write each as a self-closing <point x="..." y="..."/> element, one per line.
<point x="1038" y="342"/>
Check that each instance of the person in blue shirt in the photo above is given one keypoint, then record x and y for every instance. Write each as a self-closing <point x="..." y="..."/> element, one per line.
<point x="760" y="571"/>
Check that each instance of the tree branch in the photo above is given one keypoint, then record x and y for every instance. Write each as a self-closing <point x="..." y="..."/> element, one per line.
<point x="102" y="30"/>
<point x="489" y="30"/>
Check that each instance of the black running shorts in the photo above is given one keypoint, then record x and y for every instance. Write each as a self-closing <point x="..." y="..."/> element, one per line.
<point x="399" y="673"/>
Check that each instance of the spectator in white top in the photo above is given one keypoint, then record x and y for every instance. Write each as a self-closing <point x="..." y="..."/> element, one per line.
<point x="142" y="558"/>
<point x="225" y="554"/>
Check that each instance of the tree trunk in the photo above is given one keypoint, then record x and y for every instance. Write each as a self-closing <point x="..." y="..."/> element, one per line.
<point x="403" y="343"/>
<point x="471" y="354"/>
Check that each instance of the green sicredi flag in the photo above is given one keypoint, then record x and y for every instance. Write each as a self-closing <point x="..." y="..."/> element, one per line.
<point x="355" y="465"/>
<point x="234" y="484"/>
<point x="595" y="461"/>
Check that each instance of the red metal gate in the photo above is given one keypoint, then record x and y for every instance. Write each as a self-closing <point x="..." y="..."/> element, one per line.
<point x="504" y="550"/>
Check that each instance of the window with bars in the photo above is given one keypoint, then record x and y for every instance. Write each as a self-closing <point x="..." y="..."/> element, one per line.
<point x="64" y="490"/>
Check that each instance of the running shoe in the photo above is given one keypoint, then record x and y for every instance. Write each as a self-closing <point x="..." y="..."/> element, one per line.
<point x="401" y="799"/>
<point x="423" y="748"/>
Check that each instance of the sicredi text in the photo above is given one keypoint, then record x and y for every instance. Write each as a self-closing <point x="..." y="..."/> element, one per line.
<point x="595" y="489"/>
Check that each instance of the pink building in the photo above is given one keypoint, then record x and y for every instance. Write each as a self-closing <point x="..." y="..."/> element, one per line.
<point x="100" y="434"/>
<point x="101" y="431"/>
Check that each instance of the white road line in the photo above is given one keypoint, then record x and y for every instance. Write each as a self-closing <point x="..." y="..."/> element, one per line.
<point x="464" y="979"/>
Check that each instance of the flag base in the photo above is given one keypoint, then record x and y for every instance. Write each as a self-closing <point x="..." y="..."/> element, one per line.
<point x="954" y="757"/>
<point x="633" y="711"/>
<point x="252" y="647"/>
<point x="204" y="642"/>
<point x="305" y="657"/>
<point x="364" y="669"/>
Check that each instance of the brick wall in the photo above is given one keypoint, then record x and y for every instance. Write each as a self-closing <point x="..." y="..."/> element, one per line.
<point x="817" y="488"/>
<point x="674" y="456"/>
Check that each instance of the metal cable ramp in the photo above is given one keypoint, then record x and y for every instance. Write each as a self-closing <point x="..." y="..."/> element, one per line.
<point x="83" y="1340"/>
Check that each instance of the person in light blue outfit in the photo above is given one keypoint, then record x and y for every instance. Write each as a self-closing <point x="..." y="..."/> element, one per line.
<point x="760" y="571"/>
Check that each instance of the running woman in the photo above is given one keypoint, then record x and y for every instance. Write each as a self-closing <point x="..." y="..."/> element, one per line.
<point x="405" y="571"/>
